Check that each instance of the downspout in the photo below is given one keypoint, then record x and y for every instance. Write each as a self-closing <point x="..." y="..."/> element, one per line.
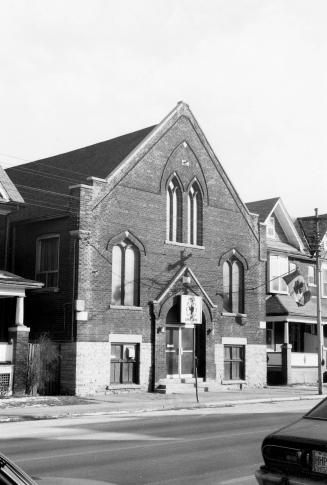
<point x="73" y="289"/>
<point x="7" y="225"/>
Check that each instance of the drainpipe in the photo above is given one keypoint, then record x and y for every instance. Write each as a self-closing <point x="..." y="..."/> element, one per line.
<point x="6" y="241"/>
<point x="319" y="323"/>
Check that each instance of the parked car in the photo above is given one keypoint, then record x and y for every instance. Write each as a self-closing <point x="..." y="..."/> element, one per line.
<point x="297" y="454"/>
<point x="11" y="474"/>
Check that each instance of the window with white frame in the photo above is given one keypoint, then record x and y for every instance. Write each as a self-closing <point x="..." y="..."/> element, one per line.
<point x="125" y="274"/>
<point x="278" y="267"/>
<point x="324" y="280"/>
<point x="311" y="275"/>
<point x="271" y="231"/>
<point x="195" y="215"/>
<point x="233" y="286"/>
<point x="47" y="260"/>
<point x="174" y="211"/>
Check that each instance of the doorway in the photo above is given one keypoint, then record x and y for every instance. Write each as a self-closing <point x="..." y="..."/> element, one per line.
<point x="180" y="351"/>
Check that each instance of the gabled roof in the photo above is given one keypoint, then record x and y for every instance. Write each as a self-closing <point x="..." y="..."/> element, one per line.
<point x="14" y="285"/>
<point x="178" y="276"/>
<point x="262" y="207"/>
<point x="308" y="228"/>
<point x="8" y="191"/>
<point x="285" y="305"/>
<point x="55" y="174"/>
<point x="265" y="208"/>
<point x="45" y="183"/>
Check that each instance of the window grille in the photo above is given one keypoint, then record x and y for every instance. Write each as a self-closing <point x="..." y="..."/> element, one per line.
<point x="4" y="383"/>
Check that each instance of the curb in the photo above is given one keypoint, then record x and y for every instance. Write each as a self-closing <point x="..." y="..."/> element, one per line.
<point x="163" y="407"/>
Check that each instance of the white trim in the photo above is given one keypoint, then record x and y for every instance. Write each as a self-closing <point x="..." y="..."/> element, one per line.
<point x="287" y="224"/>
<point x="38" y="256"/>
<point x="12" y="291"/>
<point x="284" y="318"/>
<point x="125" y="338"/>
<point x="185" y="245"/>
<point x="80" y="186"/>
<point x="3" y="193"/>
<point x="95" y="179"/>
<point x="19" y="328"/>
<point x="233" y="341"/>
<point x="127" y="307"/>
<point x="174" y="281"/>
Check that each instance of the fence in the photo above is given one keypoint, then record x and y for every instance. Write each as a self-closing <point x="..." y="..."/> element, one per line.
<point x="43" y="374"/>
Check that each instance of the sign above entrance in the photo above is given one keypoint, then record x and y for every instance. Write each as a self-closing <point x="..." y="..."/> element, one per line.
<point x="191" y="309"/>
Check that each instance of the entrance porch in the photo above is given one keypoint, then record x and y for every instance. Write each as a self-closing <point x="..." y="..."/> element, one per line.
<point x="13" y="332"/>
<point x="292" y="351"/>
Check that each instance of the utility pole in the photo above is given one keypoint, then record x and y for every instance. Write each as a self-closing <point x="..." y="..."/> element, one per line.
<point x="320" y="333"/>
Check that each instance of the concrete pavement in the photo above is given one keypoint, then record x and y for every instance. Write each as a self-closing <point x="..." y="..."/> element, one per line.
<point x="31" y="408"/>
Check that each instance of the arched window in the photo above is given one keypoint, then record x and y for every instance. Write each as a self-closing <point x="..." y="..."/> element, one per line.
<point x="195" y="217"/>
<point x="233" y="286"/>
<point x="125" y="287"/>
<point x="174" y="211"/>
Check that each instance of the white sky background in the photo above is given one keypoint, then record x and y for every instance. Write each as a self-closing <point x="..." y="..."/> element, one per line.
<point x="254" y="72"/>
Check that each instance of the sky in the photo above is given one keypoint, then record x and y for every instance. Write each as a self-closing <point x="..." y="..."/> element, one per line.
<point x="254" y="73"/>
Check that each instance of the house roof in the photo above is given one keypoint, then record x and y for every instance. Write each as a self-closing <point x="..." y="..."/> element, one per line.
<point x="286" y="305"/>
<point x="262" y="207"/>
<point x="55" y="174"/>
<point x="8" y="191"/>
<point x="8" y="280"/>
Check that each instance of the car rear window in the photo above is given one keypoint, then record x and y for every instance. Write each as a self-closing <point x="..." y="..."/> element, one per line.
<point x="319" y="411"/>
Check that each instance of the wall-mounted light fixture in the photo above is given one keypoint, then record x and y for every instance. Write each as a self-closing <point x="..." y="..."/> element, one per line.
<point x="161" y="329"/>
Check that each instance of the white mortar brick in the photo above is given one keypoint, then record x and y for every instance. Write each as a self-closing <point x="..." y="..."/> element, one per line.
<point x="255" y="365"/>
<point x="92" y="367"/>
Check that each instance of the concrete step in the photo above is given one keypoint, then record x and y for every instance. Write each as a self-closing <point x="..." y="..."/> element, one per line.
<point x="172" y="386"/>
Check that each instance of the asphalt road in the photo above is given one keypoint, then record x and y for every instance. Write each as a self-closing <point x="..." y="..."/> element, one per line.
<point x="207" y="446"/>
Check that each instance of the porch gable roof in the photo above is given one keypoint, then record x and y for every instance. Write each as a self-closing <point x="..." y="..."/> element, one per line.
<point x="279" y="305"/>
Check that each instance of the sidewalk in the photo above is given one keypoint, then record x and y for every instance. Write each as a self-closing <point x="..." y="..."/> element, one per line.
<point x="32" y="408"/>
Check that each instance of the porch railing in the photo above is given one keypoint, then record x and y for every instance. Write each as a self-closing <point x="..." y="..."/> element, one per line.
<point x="304" y="359"/>
<point x="6" y="352"/>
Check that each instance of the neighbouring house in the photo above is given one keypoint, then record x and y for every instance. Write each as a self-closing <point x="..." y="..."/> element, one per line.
<point x="150" y="262"/>
<point x="13" y="331"/>
<point x="291" y="305"/>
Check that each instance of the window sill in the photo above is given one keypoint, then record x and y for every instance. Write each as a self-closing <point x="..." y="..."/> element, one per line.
<point x="46" y="290"/>
<point x="126" y="307"/>
<point x="240" y="315"/>
<point x="234" y="381"/>
<point x="184" y="245"/>
<point x="278" y="292"/>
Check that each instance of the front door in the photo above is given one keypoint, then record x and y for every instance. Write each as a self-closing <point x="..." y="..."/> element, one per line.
<point x="179" y="351"/>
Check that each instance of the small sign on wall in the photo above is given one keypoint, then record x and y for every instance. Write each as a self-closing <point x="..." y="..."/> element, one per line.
<point x="191" y="309"/>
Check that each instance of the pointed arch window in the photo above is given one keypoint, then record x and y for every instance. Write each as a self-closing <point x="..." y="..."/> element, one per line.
<point x="233" y="286"/>
<point x="174" y="211"/>
<point x="125" y="281"/>
<point x="195" y="215"/>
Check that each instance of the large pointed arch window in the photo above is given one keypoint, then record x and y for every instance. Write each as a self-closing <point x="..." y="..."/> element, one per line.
<point x="233" y="286"/>
<point x="174" y="211"/>
<point x="195" y="216"/>
<point x="125" y="282"/>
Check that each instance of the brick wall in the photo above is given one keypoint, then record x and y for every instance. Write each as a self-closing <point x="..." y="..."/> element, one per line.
<point x="134" y="200"/>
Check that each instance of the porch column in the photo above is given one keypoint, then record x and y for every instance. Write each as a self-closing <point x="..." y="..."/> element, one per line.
<point x="286" y="333"/>
<point x="19" y="321"/>
<point x="19" y="335"/>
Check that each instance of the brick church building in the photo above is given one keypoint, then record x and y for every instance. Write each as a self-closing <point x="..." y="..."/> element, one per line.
<point x="149" y="258"/>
